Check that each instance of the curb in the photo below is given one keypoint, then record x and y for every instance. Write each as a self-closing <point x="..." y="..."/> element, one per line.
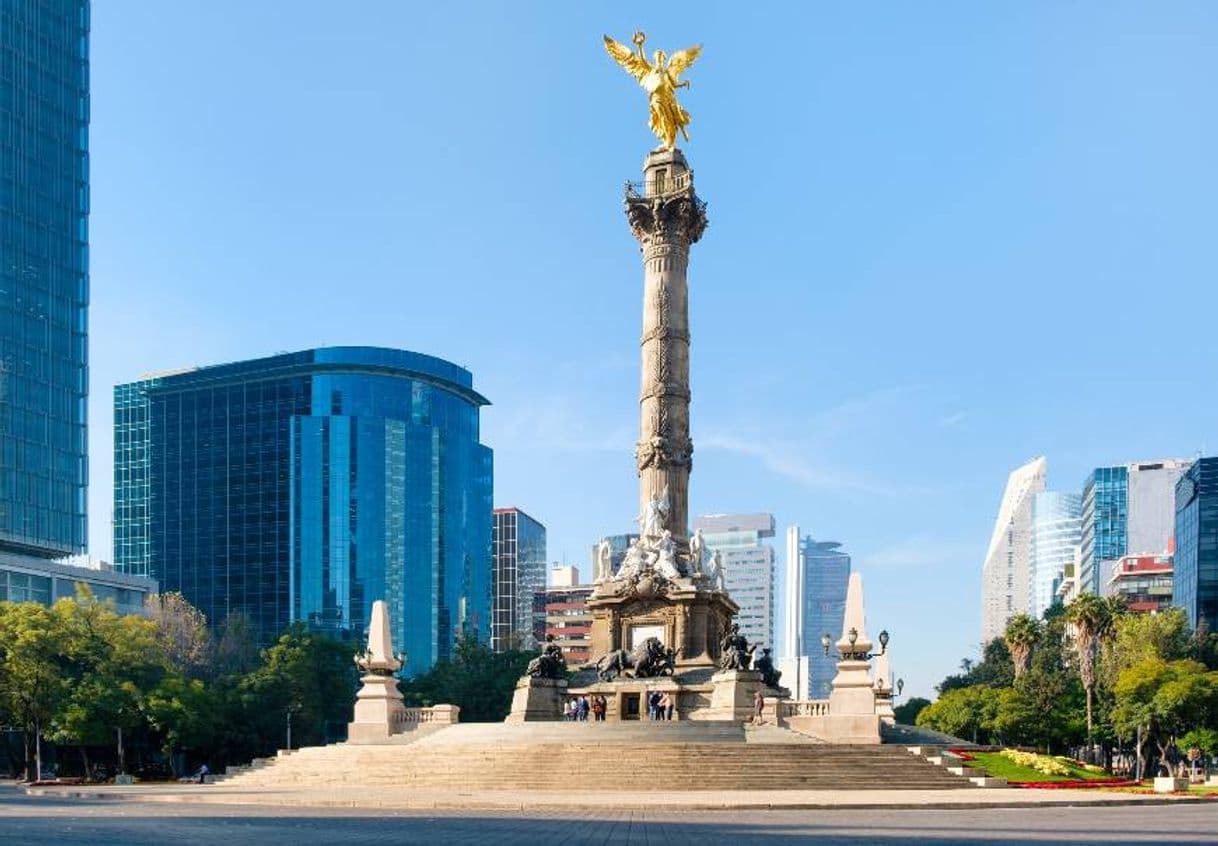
<point x="542" y="805"/>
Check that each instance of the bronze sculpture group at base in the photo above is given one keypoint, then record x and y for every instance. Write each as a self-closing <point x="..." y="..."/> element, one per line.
<point x="649" y="659"/>
<point x="550" y="664"/>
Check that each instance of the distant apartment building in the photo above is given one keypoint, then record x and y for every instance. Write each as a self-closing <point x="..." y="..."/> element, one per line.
<point x="563" y="609"/>
<point x="518" y="571"/>
<point x="1143" y="581"/>
<point x="1056" y="531"/>
<point x="24" y="578"/>
<point x="817" y="573"/>
<point x="1126" y="509"/>
<point x="748" y="568"/>
<point x="304" y="486"/>
<point x="1195" y="580"/>
<point x="1006" y="573"/>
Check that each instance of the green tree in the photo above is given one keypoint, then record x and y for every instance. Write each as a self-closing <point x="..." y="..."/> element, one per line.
<point x="34" y="683"/>
<point x="1140" y="637"/>
<point x="475" y="678"/>
<point x="963" y="712"/>
<point x="115" y="661"/>
<point x="305" y="677"/>
<point x="181" y="712"/>
<point x="994" y="670"/>
<point x="1022" y="635"/>
<point x="1158" y="701"/>
<point x="907" y="712"/>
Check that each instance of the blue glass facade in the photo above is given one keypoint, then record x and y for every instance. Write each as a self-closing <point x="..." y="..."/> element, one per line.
<point x="303" y="487"/>
<point x="826" y="576"/>
<point x="44" y="275"/>
<point x="1195" y="580"/>
<point x="1105" y="513"/>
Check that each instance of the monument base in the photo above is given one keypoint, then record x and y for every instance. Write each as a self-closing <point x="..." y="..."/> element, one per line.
<point x="379" y="711"/>
<point x="734" y="694"/>
<point x="537" y="700"/>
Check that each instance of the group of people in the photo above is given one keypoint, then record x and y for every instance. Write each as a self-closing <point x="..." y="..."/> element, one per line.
<point x="660" y="705"/>
<point x="577" y="709"/>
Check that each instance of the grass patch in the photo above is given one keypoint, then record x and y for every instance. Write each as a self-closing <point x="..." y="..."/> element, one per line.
<point x="1000" y="767"/>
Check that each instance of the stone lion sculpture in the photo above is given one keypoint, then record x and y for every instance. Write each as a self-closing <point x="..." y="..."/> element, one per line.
<point x="648" y="660"/>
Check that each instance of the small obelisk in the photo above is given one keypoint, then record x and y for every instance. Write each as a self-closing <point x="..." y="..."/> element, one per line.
<point x="378" y="705"/>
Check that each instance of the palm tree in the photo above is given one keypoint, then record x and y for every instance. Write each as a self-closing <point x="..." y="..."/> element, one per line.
<point x="1021" y="636"/>
<point x="1093" y="619"/>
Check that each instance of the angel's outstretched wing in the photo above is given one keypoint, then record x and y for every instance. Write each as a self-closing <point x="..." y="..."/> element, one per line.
<point x="627" y="58"/>
<point x="682" y="59"/>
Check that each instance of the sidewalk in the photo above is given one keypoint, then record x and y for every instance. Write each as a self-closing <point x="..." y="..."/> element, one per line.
<point x="406" y="799"/>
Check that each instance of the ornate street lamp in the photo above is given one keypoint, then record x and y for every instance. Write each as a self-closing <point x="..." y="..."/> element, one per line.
<point x="900" y="686"/>
<point x="826" y="640"/>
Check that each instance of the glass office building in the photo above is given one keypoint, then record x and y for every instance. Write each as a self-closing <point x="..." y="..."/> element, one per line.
<point x="304" y="486"/>
<point x="826" y="574"/>
<point x="44" y="275"/>
<point x="518" y="574"/>
<point x="1105" y="512"/>
<point x="1056" y="532"/>
<point x="1195" y="580"/>
<point x="748" y="568"/>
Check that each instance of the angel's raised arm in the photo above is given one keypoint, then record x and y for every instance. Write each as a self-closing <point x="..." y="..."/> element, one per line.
<point x="627" y="58"/>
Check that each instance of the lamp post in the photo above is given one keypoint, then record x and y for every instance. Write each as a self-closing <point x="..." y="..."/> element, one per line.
<point x="900" y="686"/>
<point x="292" y="709"/>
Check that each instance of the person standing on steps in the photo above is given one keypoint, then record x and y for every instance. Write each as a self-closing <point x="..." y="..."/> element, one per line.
<point x="758" y="707"/>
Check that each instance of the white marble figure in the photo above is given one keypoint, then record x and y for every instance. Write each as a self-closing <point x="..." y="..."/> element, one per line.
<point x="716" y="570"/>
<point x="697" y="548"/>
<point x="604" y="562"/>
<point x="666" y="556"/>
<point x="652" y="521"/>
<point x="633" y="563"/>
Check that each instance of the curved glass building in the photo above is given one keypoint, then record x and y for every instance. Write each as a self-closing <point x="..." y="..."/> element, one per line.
<point x="304" y="486"/>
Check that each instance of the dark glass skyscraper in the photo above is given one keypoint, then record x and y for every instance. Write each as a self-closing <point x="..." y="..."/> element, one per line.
<point x="1195" y="581"/>
<point x="519" y="561"/>
<point x="44" y="275"/>
<point x="826" y="576"/>
<point x="304" y="486"/>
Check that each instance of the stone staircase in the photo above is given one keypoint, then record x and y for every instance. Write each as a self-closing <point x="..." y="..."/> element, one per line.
<point x="679" y="755"/>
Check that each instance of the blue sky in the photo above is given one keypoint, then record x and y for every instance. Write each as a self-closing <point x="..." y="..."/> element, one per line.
<point x="944" y="238"/>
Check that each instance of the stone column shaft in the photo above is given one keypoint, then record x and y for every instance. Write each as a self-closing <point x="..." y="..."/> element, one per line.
<point x="666" y="217"/>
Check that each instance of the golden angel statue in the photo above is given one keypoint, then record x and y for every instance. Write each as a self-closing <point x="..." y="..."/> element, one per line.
<point x="660" y="81"/>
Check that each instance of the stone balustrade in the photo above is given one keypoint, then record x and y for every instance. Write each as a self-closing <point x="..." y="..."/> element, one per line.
<point x="408" y="719"/>
<point x="804" y="707"/>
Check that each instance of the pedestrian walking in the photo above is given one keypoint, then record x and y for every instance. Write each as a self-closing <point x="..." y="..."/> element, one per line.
<point x="583" y="709"/>
<point x="670" y="702"/>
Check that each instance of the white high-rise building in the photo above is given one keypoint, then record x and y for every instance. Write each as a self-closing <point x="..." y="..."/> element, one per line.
<point x="1057" y="526"/>
<point x="1006" y="573"/>
<point x="748" y="568"/>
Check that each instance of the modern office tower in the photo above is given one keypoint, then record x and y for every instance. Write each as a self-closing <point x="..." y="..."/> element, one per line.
<point x="1127" y="508"/>
<point x="817" y="575"/>
<point x="564" y="606"/>
<point x="1006" y="573"/>
<point x="304" y="486"/>
<point x="518" y="571"/>
<point x="1195" y="581"/>
<point x="748" y="568"/>
<point x="1056" y="530"/>
<point x="44" y="276"/>
<point x="1143" y="581"/>
<point x="618" y="544"/>
<point x="24" y="578"/>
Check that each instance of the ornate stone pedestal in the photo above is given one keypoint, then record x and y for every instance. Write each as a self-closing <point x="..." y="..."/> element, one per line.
<point x="733" y="695"/>
<point x="537" y="700"/>
<point x="378" y="710"/>
<point x="688" y="615"/>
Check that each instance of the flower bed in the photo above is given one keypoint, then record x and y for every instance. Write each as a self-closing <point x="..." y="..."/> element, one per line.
<point x="1029" y="769"/>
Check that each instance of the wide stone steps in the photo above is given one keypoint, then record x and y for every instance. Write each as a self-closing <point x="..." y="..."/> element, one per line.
<point x="467" y="761"/>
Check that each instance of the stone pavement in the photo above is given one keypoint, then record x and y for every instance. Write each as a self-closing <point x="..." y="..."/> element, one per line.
<point x="400" y="798"/>
<point x="77" y="822"/>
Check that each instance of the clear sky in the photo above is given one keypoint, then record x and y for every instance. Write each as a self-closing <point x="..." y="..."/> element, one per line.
<point x="944" y="238"/>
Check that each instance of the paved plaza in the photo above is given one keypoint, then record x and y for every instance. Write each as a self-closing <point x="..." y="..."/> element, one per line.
<point x="69" y="821"/>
